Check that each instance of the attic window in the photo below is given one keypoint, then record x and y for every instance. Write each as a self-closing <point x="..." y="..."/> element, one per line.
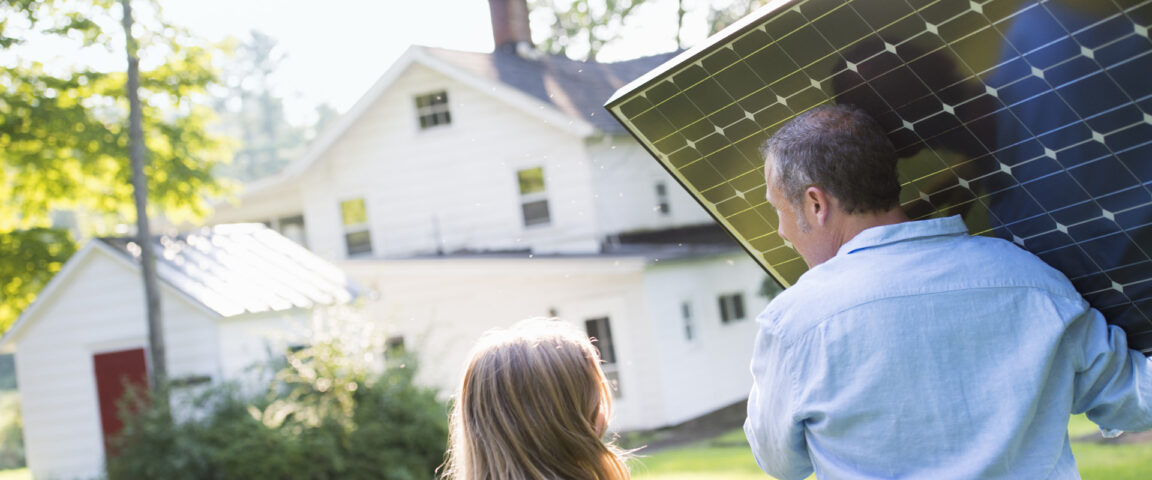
<point x="432" y="109"/>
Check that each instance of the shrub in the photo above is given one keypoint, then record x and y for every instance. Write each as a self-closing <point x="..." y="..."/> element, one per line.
<point x="11" y="431"/>
<point x="325" y="414"/>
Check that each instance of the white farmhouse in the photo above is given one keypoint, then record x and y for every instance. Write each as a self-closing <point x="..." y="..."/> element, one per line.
<point x="471" y="190"/>
<point x="230" y="295"/>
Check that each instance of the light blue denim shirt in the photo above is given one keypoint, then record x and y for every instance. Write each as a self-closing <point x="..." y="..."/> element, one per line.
<point x="920" y="351"/>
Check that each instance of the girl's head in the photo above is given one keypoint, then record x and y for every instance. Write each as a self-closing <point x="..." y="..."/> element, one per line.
<point x="533" y="405"/>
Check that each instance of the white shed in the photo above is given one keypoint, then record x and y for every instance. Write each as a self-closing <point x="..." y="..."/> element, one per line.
<point x="227" y="294"/>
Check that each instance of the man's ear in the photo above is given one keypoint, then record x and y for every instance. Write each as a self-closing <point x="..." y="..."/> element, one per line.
<point x="818" y="204"/>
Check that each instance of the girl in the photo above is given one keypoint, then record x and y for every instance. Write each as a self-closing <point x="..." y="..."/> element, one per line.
<point x="533" y="405"/>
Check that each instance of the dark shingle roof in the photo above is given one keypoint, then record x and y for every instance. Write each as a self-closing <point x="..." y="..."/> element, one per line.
<point x="243" y="268"/>
<point x="579" y="89"/>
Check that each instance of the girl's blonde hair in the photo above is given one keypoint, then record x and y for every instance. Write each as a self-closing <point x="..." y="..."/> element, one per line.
<point x="533" y="406"/>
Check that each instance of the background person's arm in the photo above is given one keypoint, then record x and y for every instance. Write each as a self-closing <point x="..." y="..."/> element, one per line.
<point x="774" y="433"/>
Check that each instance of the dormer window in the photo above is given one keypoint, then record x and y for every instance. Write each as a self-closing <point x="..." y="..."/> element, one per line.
<point x="432" y="110"/>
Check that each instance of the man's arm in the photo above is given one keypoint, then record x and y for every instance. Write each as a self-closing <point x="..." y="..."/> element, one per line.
<point x="1113" y="383"/>
<point x="774" y="433"/>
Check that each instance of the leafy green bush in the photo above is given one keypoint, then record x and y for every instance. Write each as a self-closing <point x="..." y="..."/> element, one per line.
<point x="325" y="415"/>
<point x="11" y="431"/>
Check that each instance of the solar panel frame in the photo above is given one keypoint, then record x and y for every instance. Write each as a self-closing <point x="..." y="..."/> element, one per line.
<point x="692" y="109"/>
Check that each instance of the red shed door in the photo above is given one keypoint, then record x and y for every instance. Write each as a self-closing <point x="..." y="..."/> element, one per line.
<point x="114" y="371"/>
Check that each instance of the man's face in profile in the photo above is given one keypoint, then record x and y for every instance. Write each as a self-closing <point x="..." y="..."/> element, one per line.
<point x="793" y="227"/>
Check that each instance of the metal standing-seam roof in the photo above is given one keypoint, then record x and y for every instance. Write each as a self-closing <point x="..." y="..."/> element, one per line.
<point x="243" y="268"/>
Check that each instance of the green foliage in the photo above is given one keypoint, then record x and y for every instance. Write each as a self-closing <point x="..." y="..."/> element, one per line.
<point x="11" y="432"/>
<point x="325" y="415"/>
<point x="64" y="140"/>
<point x="583" y="26"/>
<point x="28" y="260"/>
<point x="725" y="15"/>
<point x="769" y="288"/>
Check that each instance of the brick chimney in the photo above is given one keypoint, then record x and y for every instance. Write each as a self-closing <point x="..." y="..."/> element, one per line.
<point x="510" y="24"/>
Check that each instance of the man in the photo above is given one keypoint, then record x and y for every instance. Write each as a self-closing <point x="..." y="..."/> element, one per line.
<point x="911" y="349"/>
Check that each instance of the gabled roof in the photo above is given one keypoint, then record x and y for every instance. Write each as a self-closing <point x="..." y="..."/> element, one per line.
<point x="243" y="268"/>
<point x="566" y="93"/>
<point x="228" y="270"/>
<point x="579" y="89"/>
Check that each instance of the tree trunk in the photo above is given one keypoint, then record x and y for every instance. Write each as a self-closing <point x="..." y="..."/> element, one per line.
<point x="158" y="371"/>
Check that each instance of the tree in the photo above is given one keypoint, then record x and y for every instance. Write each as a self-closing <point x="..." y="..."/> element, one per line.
<point x="325" y="115"/>
<point x="250" y="110"/>
<point x="720" y="17"/>
<point x="64" y="139"/>
<point x="28" y="259"/>
<point x="586" y="25"/>
<point x="158" y="361"/>
<point x="680" y="12"/>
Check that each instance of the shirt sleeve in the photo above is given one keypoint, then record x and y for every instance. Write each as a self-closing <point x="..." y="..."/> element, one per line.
<point x="774" y="433"/>
<point x="1113" y="383"/>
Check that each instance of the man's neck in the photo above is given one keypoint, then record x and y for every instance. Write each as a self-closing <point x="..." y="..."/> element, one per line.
<point x="855" y="223"/>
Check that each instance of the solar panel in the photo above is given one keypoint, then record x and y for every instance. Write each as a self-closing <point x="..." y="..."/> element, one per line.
<point x="1031" y="119"/>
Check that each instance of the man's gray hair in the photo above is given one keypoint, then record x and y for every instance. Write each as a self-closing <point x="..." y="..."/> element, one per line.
<point x="839" y="149"/>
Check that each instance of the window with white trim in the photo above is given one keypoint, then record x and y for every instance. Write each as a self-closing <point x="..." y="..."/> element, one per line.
<point x="533" y="197"/>
<point x="432" y="110"/>
<point x="395" y="353"/>
<point x="600" y="330"/>
<point x="731" y="307"/>
<point x="292" y="227"/>
<point x="662" y="204"/>
<point x="357" y="237"/>
<point x="688" y="322"/>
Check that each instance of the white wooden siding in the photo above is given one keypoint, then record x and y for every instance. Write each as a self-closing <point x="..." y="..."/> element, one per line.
<point x="711" y="371"/>
<point x="278" y="201"/>
<point x="451" y="187"/>
<point x="248" y="340"/>
<point x="624" y="181"/>
<point x="441" y="307"/>
<point x="99" y="309"/>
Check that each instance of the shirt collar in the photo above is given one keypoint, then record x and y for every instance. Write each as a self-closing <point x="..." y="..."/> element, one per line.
<point x="899" y="232"/>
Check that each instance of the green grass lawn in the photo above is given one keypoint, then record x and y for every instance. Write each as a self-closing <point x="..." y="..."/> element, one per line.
<point x="17" y="474"/>
<point x="1108" y="462"/>
<point x="728" y="458"/>
<point x="723" y="458"/>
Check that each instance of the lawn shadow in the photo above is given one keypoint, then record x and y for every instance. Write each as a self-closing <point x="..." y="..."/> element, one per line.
<point x="705" y="427"/>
